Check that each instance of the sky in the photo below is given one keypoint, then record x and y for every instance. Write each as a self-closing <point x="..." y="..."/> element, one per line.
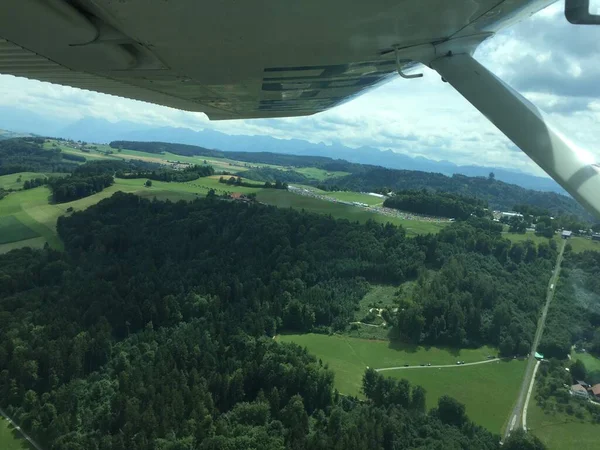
<point x="553" y="63"/>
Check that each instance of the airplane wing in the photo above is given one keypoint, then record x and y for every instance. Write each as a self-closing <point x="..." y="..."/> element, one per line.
<point x="233" y="59"/>
<point x="272" y="58"/>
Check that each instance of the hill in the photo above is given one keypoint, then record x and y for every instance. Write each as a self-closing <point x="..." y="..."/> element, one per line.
<point x="366" y="178"/>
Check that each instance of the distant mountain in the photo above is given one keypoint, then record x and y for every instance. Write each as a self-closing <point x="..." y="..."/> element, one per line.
<point x="24" y="121"/>
<point x="103" y="131"/>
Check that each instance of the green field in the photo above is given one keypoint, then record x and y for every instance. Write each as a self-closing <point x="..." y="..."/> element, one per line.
<point x="355" y="197"/>
<point x="13" y="230"/>
<point x="592" y="366"/>
<point x="488" y="390"/>
<point x="379" y="296"/>
<point x="561" y="431"/>
<point x="9" y="440"/>
<point x="348" y="357"/>
<point x="578" y="244"/>
<point x="284" y="199"/>
<point x="529" y="236"/>
<point x="319" y="174"/>
<point x="10" y="181"/>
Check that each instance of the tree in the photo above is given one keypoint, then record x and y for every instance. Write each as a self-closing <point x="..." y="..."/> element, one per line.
<point x="148" y="183"/>
<point x="578" y="370"/>
<point x="520" y="440"/>
<point x="418" y="398"/>
<point x="450" y="411"/>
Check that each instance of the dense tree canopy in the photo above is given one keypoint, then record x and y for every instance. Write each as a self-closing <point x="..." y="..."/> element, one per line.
<point x="436" y="204"/>
<point x="574" y="314"/>
<point x="168" y="175"/>
<point x="152" y="330"/>
<point x="27" y="155"/>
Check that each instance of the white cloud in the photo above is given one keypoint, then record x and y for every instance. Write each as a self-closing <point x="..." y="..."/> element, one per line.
<point x="555" y="64"/>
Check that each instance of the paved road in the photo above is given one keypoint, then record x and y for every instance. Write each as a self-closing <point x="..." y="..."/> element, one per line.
<point x="537" y="366"/>
<point x="515" y="414"/>
<point x="18" y="428"/>
<point x="438" y="367"/>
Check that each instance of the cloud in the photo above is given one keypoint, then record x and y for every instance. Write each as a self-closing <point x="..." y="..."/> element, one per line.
<point x="554" y="64"/>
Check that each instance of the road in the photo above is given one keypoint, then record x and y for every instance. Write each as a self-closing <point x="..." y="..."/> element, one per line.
<point x="18" y="428"/>
<point x="515" y="414"/>
<point x="438" y="367"/>
<point x="537" y="366"/>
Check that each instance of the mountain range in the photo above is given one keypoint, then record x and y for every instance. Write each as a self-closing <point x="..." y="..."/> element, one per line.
<point x="103" y="131"/>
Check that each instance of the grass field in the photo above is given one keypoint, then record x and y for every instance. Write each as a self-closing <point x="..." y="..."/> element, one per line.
<point x="578" y="244"/>
<point x="592" y="366"/>
<point x="488" y="390"/>
<point x="528" y="236"/>
<point x="561" y="431"/>
<point x="285" y="199"/>
<point x="13" y="230"/>
<point x="379" y="296"/>
<point x="10" y="181"/>
<point x="355" y="197"/>
<point x="319" y="174"/>
<point x="348" y="357"/>
<point x="9" y="440"/>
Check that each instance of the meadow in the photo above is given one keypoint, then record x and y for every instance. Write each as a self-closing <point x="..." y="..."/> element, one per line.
<point x="359" y="197"/>
<point x="284" y="199"/>
<point x="487" y="390"/>
<point x="560" y="431"/>
<point x="592" y="366"/>
<point x="348" y="357"/>
<point x="578" y="244"/>
<point x="9" y="440"/>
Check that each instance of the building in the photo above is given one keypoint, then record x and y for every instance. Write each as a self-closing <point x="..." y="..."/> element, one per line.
<point x="595" y="391"/>
<point x="583" y="384"/>
<point x="511" y="214"/>
<point x="566" y="234"/>
<point x="596" y="237"/>
<point x="579" y="391"/>
<point x="539" y="356"/>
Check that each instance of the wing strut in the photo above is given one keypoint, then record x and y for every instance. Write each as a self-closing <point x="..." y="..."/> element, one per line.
<point x="573" y="168"/>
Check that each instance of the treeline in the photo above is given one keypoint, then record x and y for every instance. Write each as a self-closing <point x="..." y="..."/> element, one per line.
<point x="233" y="181"/>
<point x="153" y="329"/>
<point x="499" y="195"/>
<point x="27" y="155"/>
<point x="277" y="159"/>
<point x="78" y="186"/>
<point x="438" y="204"/>
<point x="574" y="314"/>
<point x="272" y="175"/>
<point x="168" y="175"/>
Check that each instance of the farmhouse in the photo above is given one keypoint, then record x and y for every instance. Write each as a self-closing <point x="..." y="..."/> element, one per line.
<point x="579" y="391"/>
<point x="596" y="237"/>
<point x="595" y="391"/>
<point x="566" y="234"/>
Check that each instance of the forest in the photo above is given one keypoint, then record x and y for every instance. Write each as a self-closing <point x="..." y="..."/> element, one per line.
<point x="440" y="204"/>
<point x="190" y="173"/>
<point x="574" y="315"/>
<point x="27" y="155"/>
<point x="153" y="329"/>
